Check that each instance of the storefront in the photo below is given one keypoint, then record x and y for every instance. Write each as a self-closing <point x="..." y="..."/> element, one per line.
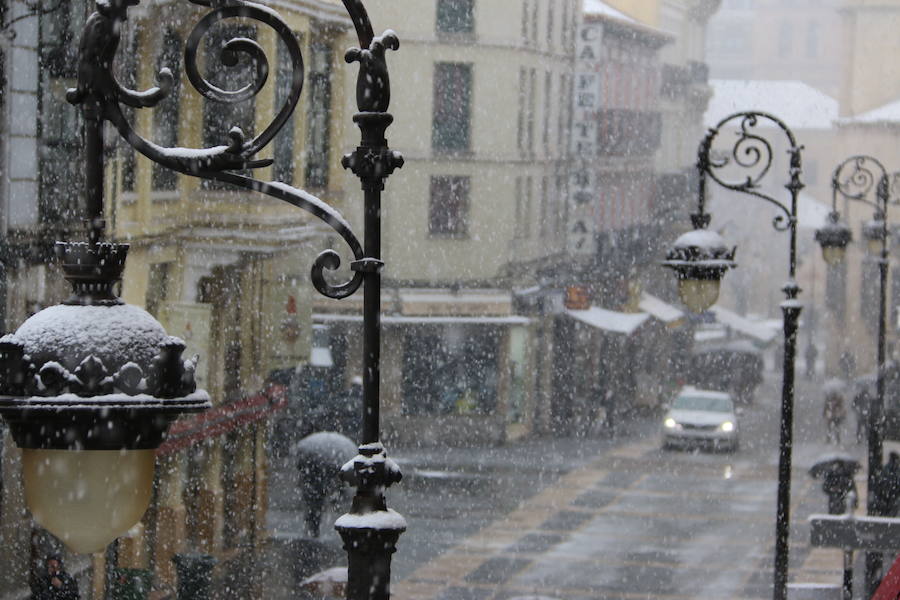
<point x="457" y="365"/>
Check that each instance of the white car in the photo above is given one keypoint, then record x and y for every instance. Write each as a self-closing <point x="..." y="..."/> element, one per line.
<point x="701" y="417"/>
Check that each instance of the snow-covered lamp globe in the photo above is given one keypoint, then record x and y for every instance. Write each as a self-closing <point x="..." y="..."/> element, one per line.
<point x="89" y="388"/>
<point x="699" y="259"/>
<point x="834" y="237"/>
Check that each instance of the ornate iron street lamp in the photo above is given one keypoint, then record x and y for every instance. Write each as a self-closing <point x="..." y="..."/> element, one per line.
<point x="702" y="254"/>
<point x="856" y="179"/>
<point x="99" y="404"/>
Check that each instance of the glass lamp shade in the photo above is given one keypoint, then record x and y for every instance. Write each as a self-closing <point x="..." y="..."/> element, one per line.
<point x="88" y="498"/>
<point x="833" y="255"/>
<point x="874" y="246"/>
<point x="698" y="294"/>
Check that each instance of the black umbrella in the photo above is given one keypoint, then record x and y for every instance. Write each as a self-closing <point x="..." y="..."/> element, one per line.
<point x="834" y="463"/>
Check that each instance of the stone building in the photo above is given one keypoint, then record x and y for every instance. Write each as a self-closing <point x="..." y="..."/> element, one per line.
<point x="224" y="270"/>
<point x="474" y="214"/>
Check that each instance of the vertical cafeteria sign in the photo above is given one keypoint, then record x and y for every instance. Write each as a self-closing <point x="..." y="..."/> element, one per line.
<point x="582" y="224"/>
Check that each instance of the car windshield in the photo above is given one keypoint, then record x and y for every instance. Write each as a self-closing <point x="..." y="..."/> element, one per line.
<point x="710" y="403"/>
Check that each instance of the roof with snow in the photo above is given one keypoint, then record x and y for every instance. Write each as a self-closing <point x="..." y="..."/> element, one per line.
<point x="798" y="104"/>
<point x="889" y="113"/>
<point x="758" y="332"/>
<point x="660" y="309"/>
<point x="610" y="320"/>
<point x="598" y="7"/>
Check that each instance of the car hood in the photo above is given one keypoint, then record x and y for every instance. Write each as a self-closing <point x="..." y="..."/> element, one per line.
<point x="700" y="417"/>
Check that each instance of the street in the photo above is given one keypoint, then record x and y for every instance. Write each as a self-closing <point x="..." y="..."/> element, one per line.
<point x="605" y="518"/>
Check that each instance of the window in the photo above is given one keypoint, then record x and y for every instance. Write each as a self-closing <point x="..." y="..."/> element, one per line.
<point x="452" y="107"/>
<point x="524" y="206"/>
<point x="128" y="77"/>
<point x="166" y="114"/>
<point x="319" y="125"/>
<point x="452" y="370"/>
<point x="544" y="222"/>
<point x="283" y="148"/>
<point x="812" y="40"/>
<point x="455" y="16"/>
<point x="448" y="209"/>
<point x="785" y="35"/>
<point x="157" y="287"/>
<point x="548" y="105"/>
<point x="551" y="23"/>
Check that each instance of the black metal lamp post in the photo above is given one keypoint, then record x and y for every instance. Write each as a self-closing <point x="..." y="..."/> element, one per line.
<point x="702" y="254"/>
<point x="51" y="404"/>
<point x="856" y="179"/>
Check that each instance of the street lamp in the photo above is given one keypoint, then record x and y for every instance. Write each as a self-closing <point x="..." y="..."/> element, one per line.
<point x="856" y="179"/>
<point x="52" y="405"/>
<point x="702" y="254"/>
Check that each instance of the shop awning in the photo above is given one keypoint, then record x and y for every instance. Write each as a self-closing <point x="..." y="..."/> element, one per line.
<point x="403" y="320"/>
<point x="610" y="320"/>
<point x="660" y="310"/>
<point x="462" y="303"/>
<point x="758" y="332"/>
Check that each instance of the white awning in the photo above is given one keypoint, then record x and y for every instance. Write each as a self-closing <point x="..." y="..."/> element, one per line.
<point x="403" y="320"/>
<point x="660" y="309"/>
<point x="321" y="357"/>
<point x="759" y="332"/>
<point x="610" y="320"/>
<point x="461" y="303"/>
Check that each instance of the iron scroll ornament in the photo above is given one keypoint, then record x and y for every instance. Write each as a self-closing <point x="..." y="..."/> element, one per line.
<point x="102" y="97"/>
<point x="752" y="155"/>
<point x="855" y="178"/>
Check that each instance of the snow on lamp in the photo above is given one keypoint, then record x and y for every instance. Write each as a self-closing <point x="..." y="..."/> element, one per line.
<point x="834" y="237"/>
<point x="875" y="233"/>
<point x="89" y="388"/>
<point x="699" y="259"/>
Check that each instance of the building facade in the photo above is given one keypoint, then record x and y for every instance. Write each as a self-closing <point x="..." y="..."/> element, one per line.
<point x="225" y="271"/>
<point x="779" y="40"/>
<point x="476" y="211"/>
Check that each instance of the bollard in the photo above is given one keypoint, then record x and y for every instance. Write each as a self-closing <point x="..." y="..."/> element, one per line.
<point x="194" y="575"/>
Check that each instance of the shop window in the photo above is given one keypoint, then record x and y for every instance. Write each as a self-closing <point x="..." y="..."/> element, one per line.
<point x="452" y="370"/>
<point x="452" y="107"/>
<point x="448" y="208"/>
<point x="455" y="16"/>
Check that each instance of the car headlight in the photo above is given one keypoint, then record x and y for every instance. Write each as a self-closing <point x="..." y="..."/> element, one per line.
<point x="670" y="423"/>
<point x="727" y="426"/>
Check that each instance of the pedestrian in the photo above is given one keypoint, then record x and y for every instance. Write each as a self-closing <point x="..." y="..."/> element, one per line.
<point x="862" y="400"/>
<point x="847" y="365"/>
<point x="811" y="354"/>
<point x="320" y="458"/>
<point x="54" y="583"/>
<point x="834" y="413"/>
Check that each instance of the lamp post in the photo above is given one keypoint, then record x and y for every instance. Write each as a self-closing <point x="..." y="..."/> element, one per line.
<point x="859" y="178"/>
<point x="700" y="259"/>
<point x="151" y="393"/>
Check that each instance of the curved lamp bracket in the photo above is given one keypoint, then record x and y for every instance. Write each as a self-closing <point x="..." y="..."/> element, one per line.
<point x="751" y="157"/>
<point x="101" y="94"/>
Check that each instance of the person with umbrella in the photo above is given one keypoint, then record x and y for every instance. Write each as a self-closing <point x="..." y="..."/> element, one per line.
<point x="320" y="458"/>
<point x="836" y="472"/>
